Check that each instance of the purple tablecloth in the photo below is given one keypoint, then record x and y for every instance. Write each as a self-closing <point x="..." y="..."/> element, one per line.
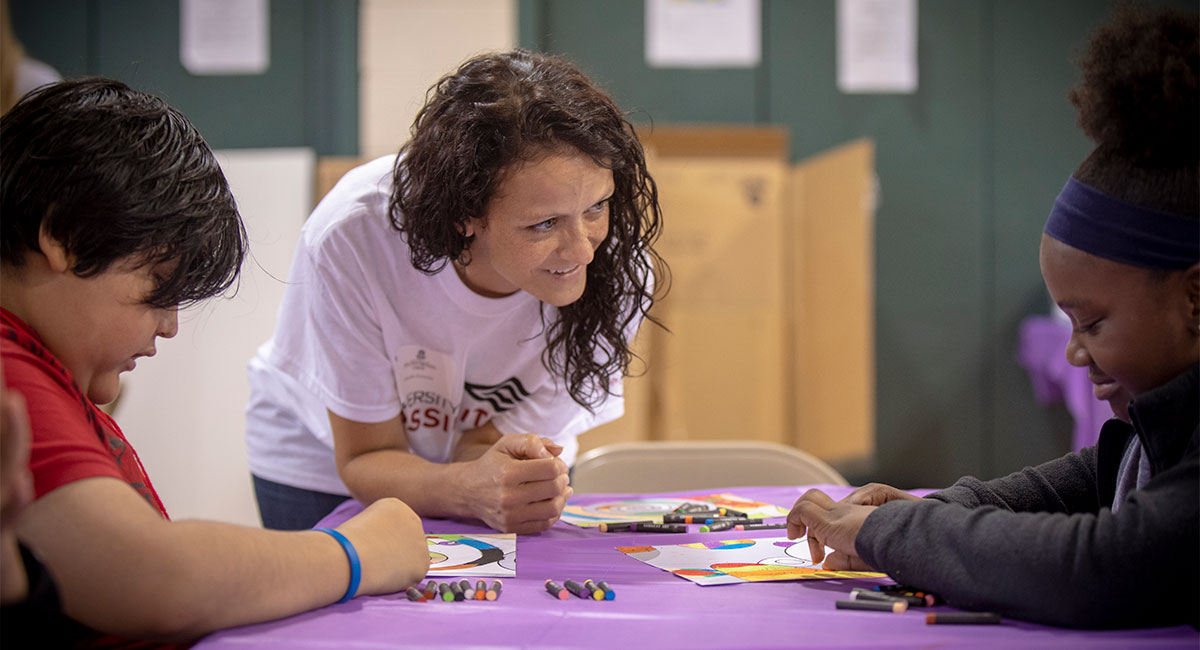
<point x="652" y="609"/>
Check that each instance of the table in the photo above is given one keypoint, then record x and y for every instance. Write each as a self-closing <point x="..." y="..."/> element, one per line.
<point x="652" y="609"/>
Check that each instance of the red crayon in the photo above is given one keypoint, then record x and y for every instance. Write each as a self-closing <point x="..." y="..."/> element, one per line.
<point x="557" y="590"/>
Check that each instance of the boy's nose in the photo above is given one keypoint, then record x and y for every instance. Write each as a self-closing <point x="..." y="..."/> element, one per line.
<point x="169" y="326"/>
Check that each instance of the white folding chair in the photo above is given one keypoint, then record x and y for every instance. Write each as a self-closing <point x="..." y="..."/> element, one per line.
<point x="664" y="466"/>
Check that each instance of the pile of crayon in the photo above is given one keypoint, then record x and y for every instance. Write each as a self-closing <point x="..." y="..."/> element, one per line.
<point x="589" y="590"/>
<point x="454" y="591"/>
<point x="712" y="519"/>
<point x="898" y="598"/>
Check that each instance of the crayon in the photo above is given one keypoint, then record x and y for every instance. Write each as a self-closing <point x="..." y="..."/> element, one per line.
<point x="870" y="594"/>
<point x="619" y="526"/>
<point x="431" y="590"/>
<point x="590" y="587"/>
<point x="414" y="595"/>
<point x="905" y="590"/>
<point x="446" y="591"/>
<point x="717" y="527"/>
<point x="759" y="526"/>
<point x="695" y="507"/>
<point x="897" y="607"/>
<point x="556" y="590"/>
<point x="481" y="590"/>
<point x="609" y="594"/>
<point x="456" y="590"/>
<point x="729" y="512"/>
<point x="494" y="592"/>
<point x="577" y="589"/>
<point x="962" y="618"/>
<point x="689" y="517"/>
<point x="658" y="528"/>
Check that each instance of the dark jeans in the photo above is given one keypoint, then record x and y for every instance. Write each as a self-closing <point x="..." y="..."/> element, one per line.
<point x="283" y="507"/>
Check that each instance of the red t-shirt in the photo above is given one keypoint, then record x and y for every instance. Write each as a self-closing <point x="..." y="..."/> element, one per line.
<point x="71" y="439"/>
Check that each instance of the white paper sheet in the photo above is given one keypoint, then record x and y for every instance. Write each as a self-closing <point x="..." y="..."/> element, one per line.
<point x="224" y="37"/>
<point x="877" y="46"/>
<point x="703" y="33"/>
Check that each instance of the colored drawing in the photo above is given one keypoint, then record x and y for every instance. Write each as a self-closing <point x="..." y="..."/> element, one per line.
<point x="594" y="514"/>
<point x="472" y="555"/>
<point x="731" y="561"/>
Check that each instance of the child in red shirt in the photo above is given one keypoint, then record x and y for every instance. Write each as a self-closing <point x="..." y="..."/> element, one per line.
<point x="116" y="214"/>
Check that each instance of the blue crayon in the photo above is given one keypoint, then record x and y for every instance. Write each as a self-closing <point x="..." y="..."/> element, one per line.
<point x="609" y="594"/>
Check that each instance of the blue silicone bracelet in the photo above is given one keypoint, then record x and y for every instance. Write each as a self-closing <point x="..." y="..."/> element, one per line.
<point x="352" y="555"/>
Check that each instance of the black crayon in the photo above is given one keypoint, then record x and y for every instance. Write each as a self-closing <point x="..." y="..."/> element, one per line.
<point x="456" y="589"/>
<point x="759" y="526"/>
<point x="658" y="528"/>
<point x="577" y="589"/>
<point x="620" y="526"/>
<point x="717" y="527"/>
<point x="494" y="592"/>
<point x="897" y="607"/>
<point x="689" y="517"/>
<point x="962" y="618"/>
<point x="556" y="590"/>
<point x="858" y="593"/>
<point x="595" y="592"/>
<point x="609" y="594"/>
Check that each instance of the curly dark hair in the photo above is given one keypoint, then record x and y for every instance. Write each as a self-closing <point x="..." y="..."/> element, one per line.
<point x="115" y="174"/>
<point x="501" y="109"/>
<point x="1139" y="100"/>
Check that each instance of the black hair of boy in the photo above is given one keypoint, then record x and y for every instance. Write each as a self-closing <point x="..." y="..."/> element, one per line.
<point x="115" y="175"/>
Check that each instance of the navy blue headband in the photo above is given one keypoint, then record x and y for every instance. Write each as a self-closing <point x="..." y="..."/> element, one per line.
<point x="1086" y="218"/>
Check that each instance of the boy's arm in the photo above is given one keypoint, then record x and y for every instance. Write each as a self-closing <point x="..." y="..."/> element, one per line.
<point x="122" y="569"/>
<point x="514" y="485"/>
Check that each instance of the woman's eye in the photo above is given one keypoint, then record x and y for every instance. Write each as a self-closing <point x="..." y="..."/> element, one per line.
<point x="544" y="225"/>
<point x="600" y="205"/>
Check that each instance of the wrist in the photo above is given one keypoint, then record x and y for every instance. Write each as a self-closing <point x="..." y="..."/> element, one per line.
<point x="351" y="557"/>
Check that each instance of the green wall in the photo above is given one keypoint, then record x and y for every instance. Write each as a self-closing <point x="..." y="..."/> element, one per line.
<point x="307" y="98"/>
<point x="968" y="165"/>
<point x="968" y="168"/>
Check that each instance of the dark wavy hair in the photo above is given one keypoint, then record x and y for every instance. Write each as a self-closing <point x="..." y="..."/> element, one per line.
<point x="1139" y="99"/>
<point x="501" y="109"/>
<point x="114" y="174"/>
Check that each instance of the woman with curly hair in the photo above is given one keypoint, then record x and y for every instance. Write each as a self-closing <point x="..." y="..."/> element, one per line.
<point x="1108" y="536"/>
<point x="457" y="313"/>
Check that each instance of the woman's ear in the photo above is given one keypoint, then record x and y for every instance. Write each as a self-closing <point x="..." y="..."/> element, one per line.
<point x="57" y="257"/>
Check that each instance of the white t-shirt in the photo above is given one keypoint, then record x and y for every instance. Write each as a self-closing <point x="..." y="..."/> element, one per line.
<point x="365" y="335"/>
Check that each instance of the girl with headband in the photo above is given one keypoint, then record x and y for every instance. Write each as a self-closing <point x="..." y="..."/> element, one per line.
<point x="458" y="313"/>
<point x="1109" y="536"/>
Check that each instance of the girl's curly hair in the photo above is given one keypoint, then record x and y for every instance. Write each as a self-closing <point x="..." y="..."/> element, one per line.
<point x="501" y="109"/>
